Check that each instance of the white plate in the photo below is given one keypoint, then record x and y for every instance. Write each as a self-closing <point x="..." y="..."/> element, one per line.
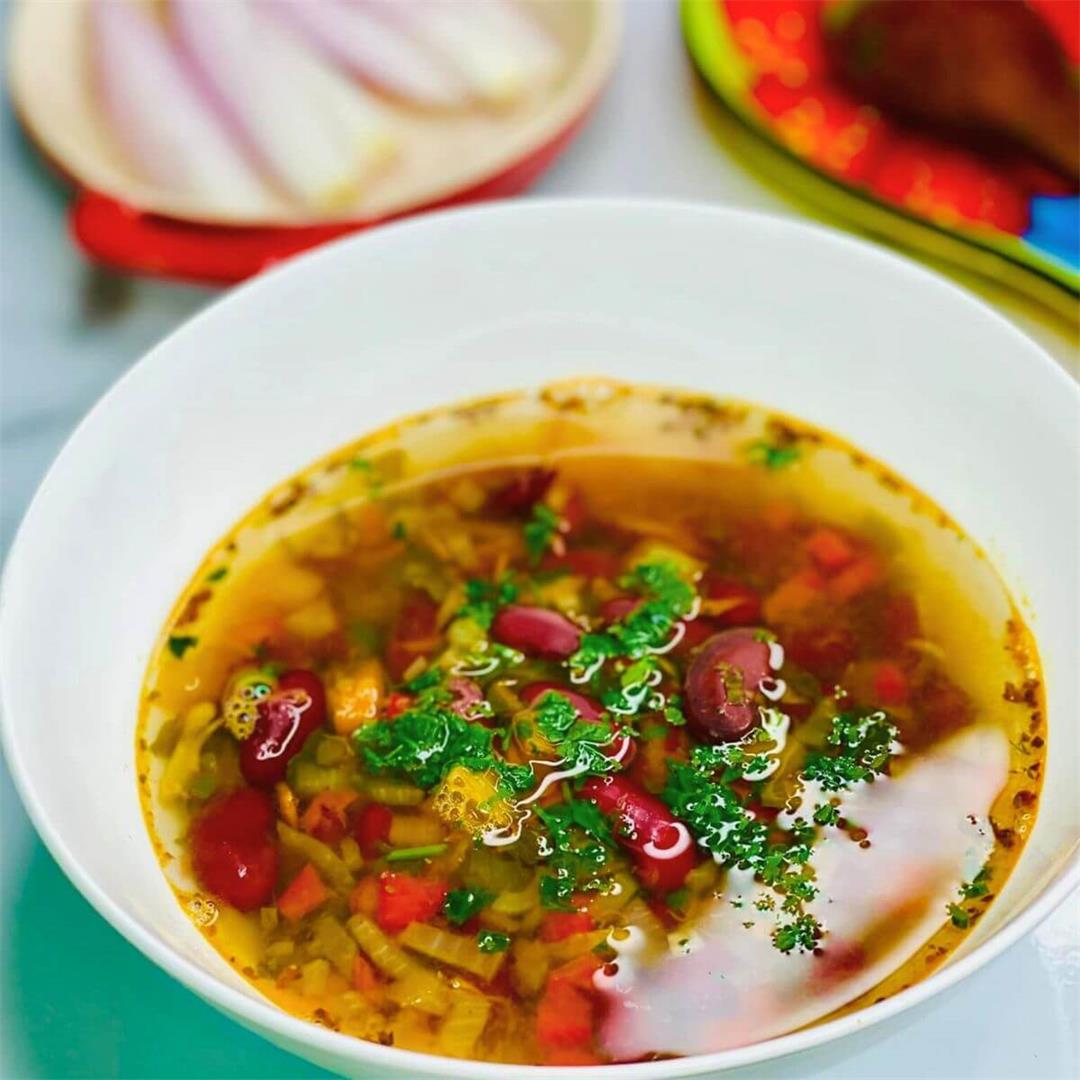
<point x="459" y="304"/>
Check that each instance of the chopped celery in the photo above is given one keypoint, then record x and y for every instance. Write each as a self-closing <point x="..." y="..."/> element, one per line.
<point x="456" y="950"/>
<point x="330" y="866"/>
<point x="313" y="976"/>
<point x="331" y="941"/>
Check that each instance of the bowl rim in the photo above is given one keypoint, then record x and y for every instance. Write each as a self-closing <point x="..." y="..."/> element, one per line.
<point x="260" y="1014"/>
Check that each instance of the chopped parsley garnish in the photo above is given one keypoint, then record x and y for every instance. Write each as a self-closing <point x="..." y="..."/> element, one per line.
<point x="492" y="941"/>
<point x="668" y="597"/>
<point x="700" y="794"/>
<point x="461" y="905"/>
<point x="864" y="743"/>
<point x="180" y="643"/>
<point x="978" y="886"/>
<point x="772" y="455"/>
<point x="960" y="918"/>
<point x="398" y="530"/>
<point x="826" y="814"/>
<point x="484" y="598"/>
<point x="579" y="844"/>
<point x="218" y="574"/>
<point x="424" y="681"/>
<point x="579" y="743"/>
<point x="802" y="934"/>
<point x="428" y="739"/>
<point x="540" y="530"/>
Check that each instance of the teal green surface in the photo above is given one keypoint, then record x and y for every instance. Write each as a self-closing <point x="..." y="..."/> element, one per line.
<point x="79" y="1001"/>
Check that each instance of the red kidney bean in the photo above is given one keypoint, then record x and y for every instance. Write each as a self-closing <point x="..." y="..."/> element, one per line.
<point x="466" y="694"/>
<point x="520" y="494"/>
<point x="232" y="850"/>
<point x="416" y="633"/>
<point x="536" y="631"/>
<point x="618" y="607"/>
<point x="286" y="718"/>
<point x="644" y="822"/>
<point x="588" y="708"/>
<point x="721" y="685"/>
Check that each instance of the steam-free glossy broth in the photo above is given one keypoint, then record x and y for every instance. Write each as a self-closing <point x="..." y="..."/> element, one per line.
<point x="590" y="725"/>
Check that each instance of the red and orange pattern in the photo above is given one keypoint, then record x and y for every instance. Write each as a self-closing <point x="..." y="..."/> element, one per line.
<point x="820" y="122"/>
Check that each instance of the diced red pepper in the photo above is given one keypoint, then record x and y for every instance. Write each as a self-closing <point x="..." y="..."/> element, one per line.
<point x="371" y="828"/>
<point x="303" y="895"/>
<point x="830" y="550"/>
<point x="731" y="602"/>
<point x="324" y="817"/>
<point x="823" y="650"/>
<point x="578" y="972"/>
<point x="564" y="1017"/>
<point x="396" y="704"/>
<point x="404" y="899"/>
<point x="890" y="683"/>
<point x="563" y="924"/>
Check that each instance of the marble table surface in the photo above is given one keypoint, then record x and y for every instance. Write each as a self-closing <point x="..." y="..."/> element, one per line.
<point x="75" y="999"/>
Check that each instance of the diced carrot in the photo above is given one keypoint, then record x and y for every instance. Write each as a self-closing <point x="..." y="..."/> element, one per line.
<point x="364" y="899"/>
<point x="404" y="899"/>
<point x="324" y="817"/>
<point x="372" y="828"/>
<point x="564" y="1017"/>
<point x="829" y="549"/>
<point x="571" y="1055"/>
<point x="793" y="596"/>
<point x="363" y="976"/>
<point x="562" y="924"/>
<point x="303" y="894"/>
<point x="856" y="578"/>
<point x="890" y="683"/>
<point x="578" y="972"/>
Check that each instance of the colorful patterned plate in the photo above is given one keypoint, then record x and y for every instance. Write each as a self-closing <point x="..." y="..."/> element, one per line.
<point x="1007" y="218"/>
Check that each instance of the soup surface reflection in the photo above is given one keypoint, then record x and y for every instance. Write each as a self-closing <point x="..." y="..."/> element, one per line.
<point x="590" y="725"/>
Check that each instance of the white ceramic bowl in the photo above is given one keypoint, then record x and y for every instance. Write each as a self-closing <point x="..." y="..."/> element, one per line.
<point x="455" y="305"/>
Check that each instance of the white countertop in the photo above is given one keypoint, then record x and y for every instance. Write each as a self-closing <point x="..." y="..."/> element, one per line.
<point x="75" y="999"/>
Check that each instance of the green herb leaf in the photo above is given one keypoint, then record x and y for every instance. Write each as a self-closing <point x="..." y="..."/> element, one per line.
<point x="540" y="531"/>
<point x="218" y="574"/>
<point x="865" y="742"/>
<point x="960" y="918"/>
<point x="801" y="934"/>
<point x="180" y="643"/>
<point x="461" y="905"/>
<point x="492" y="941"/>
<point x="772" y="455"/>
<point x="484" y="598"/>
